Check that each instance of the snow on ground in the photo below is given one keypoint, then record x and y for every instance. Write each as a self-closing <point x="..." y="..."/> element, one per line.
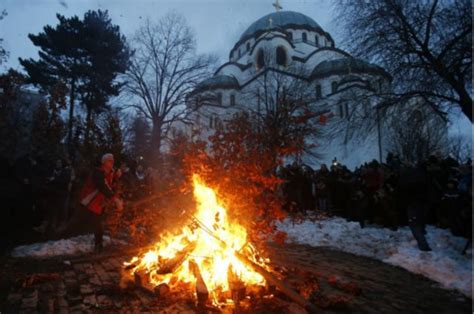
<point x="71" y="246"/>
<point x="444" y="264"/>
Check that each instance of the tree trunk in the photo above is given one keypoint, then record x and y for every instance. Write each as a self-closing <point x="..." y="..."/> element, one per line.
<point x="88" y="126"/>
<point x="156" y="141"/>
<point x="71" y="118"/>
<point x="466" y="104"/>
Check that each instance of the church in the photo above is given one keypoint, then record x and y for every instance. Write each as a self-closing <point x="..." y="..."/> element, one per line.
<point x="294" y="48"/>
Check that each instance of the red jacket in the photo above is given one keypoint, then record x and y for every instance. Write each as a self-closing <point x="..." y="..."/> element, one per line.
<point x="97" y="191"/>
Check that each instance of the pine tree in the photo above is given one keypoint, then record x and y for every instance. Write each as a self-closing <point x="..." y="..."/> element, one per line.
<point x="86" y="55"/>
<point x="109" y="57"/>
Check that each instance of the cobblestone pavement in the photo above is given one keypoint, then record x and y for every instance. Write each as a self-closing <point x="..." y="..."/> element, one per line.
<point x="89" y="284"/>
<point x="383" y="288"/>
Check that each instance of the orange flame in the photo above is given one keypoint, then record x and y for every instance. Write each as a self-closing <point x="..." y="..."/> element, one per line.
<point x="213" y="241"/>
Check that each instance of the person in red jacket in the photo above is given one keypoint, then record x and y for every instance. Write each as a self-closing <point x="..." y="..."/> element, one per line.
<point x="94" y="196"/>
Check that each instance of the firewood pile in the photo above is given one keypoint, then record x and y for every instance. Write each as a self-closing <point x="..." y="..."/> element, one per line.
<point x="211" y="264"/>
<point x="315" y="292"/>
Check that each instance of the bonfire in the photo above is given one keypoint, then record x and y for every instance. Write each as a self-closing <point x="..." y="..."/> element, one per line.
<point x="210" y="258"/>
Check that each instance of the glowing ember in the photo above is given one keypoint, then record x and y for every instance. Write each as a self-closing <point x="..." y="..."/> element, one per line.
<point x="210" y="242"/>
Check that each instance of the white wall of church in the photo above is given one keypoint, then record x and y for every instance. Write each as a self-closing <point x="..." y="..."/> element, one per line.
<point x="246" y="96"/>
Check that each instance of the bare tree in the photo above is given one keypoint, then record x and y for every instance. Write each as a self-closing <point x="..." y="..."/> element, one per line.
<point x="415" y="134"/>
<point x="460" y="148"/>
<point x="425" y="45"/>
<point x="165" y="68"/>
<point x="3" y="52"/>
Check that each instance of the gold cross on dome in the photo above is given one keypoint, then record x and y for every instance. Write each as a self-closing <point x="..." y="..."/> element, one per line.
<point x="277" y="5"/>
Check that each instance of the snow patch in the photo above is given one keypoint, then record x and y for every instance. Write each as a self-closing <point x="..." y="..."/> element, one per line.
<point x="445" y="264"/>
<point x="72" y="246"/>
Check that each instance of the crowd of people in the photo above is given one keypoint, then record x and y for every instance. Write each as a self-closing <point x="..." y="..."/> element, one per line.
<point x="57" y="200"/>
<point x="48" y="199"/>
<point x="392" y="194"/>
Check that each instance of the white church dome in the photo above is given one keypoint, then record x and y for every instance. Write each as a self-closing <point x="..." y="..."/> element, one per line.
<point x="281" y="19"/>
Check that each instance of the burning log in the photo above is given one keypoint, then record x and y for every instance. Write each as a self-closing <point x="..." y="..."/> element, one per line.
<point x="292" y="294"/>
<point x="172" y="264"/>
<point x="269" y="277"/>
<point x="217" y="251"/>
<point x="237" y="286"/>
<point x="162" y="290"/>
<point x="201" y="288"/>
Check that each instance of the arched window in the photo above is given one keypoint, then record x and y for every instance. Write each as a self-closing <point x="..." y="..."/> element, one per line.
<point x="232" y="100"/>
<point x="219" y="98"/>
<point x="290" y="36"/>
<point x="213" y="121"/>
<point x="316" y="40"/>
<point x="416" y="116"/>
<point x="333" y="87"/>
<point x="318" y="92"/>
<point x="304" y="37"/>
<point x="281" y="56"/>
<point x="260" y="59"/>
<point x="248" y="47"/>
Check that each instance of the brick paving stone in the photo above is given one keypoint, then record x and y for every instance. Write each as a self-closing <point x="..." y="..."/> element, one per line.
<point x="125" y="310"/>
<point x="47" y="287"/>
<point x="118" y="303"/>
<point x="86" y="289"/>
<point x="108" y="266"/>
<point x="82" y="277"/>
<point x="104" y="277"/>
<point x="117" y="262"/>
<point x="61" y="302"/>
<point x="90" y="300"/>
<point x="14" y="297"/>
<point x="74" y="299"/>
<point x="63" y="310"/>
<point x="91" y="286"/>
<point x="114" y="276"/>
<point x="51" y="305"/>
<point x="95" y="280"/>
<point x="60" y="284"/>
<point x="89" y="269"/>
<point x="104" y="300"/>
<point x="144" y="299"/>
<point x="30" y="300"/>
<point x="78" y="267"/>
<point x="68" y="282"/>
<point x="28" y="304"/>
<point x="77" y="309"/>
<point x="29" y="311"/>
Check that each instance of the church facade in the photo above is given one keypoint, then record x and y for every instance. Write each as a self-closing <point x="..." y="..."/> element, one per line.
<point x="292" y="47"/>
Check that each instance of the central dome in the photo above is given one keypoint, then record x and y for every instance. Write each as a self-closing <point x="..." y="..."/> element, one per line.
<point x="281" y="19"/>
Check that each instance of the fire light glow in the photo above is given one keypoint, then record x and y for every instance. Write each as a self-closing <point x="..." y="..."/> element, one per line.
<point x="210" y="241"/>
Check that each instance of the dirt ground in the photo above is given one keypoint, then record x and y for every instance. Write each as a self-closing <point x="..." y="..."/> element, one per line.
<point x="334" y="282"/>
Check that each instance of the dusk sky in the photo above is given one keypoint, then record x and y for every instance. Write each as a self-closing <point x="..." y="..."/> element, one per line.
<point x="217" y="24"/>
